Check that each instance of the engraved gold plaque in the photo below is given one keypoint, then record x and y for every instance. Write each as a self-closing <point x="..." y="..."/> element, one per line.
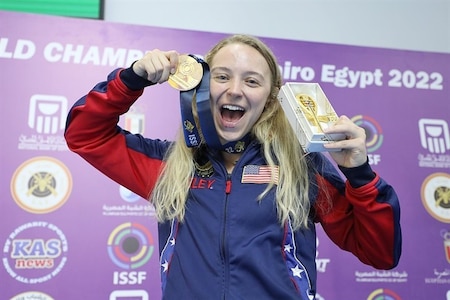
<point x="310" y="110"/>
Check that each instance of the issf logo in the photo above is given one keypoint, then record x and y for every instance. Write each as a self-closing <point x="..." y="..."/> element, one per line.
<point x="383" y="294"/>
<point x="130" y="245"/>
<point x="374" y="132"/>
<point x="374" y="136"/>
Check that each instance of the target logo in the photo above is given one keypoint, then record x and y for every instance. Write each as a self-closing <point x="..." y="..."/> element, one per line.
<point x="130" y="245"/>
<point x="374" y="136"/>
<point x="383" y="294"/>
<point x="374" y="133"/>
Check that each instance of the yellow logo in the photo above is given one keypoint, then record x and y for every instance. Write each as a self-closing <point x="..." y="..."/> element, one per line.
<point x="435" y="194"/>
<point x="41" y="185"/>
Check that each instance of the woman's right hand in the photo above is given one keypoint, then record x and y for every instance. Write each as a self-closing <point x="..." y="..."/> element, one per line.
<point x="157" y="65"/>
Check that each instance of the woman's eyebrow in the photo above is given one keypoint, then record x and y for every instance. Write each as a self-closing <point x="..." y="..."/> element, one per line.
<point x="226" y="69"/>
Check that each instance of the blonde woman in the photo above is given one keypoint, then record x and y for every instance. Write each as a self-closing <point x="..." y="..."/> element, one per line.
<point x="237" y="217"/>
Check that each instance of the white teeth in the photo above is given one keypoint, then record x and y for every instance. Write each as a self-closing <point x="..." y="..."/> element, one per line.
<point x="232" y="107"/>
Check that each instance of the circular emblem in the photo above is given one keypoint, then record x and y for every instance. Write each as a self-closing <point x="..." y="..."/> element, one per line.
<point x="32" y="296"/>
<point x="383" y="294"/>
<point x="374" y="132"/>
<point x="130" y="245"/>
<point x="41" y="184"/>
<point x="188" y="75"/>
<point x="35" y="252"/>
<point x="435" y="194"/>
<point x="128" y="195"/>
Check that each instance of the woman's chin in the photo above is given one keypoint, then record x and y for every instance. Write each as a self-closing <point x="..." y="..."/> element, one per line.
<point x="230" y="138"/>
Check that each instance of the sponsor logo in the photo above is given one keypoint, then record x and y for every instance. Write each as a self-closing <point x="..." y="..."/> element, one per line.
<point x="129" y="294"/>
<point x="435" y="193"/>
<point x="35" y="252"/>
<point x="46" y="116"/>
<point x="434" y="135"/>
<point x="381" y="276"/>
<point x="132" y="208"/>
<point x="130" y="246"/>
<point x="383" y="294"/>
<point x="47" y="113"/>
<point x="32" y="296"/>
<point x="135" y="122"/>
<point x="435" y="139"/>
<point x="374" y="136"/>
<point x="441" y="276"/>
<point x="446" y="236"/>
<point x="127" y="195"/>
<point x="321" y="263"/>
<point x="41" y="185"/>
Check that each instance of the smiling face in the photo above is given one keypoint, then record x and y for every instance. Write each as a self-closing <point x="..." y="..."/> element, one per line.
<point x="240" y="86"/>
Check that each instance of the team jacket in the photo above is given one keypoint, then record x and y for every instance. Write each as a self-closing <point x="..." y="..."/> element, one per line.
<point x="230" y="246"/>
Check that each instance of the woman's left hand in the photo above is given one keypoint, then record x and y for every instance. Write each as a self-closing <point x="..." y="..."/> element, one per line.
<point x="354" y="152"/>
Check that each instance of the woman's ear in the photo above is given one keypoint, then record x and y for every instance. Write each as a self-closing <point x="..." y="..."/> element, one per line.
<point x="274" y="93"/>
<point x="273" y="96"/>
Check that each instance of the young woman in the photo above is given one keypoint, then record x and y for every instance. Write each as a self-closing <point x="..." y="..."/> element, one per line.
<point x="237" y="218"/>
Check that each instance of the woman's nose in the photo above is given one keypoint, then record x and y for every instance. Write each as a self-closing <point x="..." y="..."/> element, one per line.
<point x="235" y="87"/>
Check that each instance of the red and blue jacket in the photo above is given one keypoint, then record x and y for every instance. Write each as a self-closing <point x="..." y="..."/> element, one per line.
<point x="230" y="246"/>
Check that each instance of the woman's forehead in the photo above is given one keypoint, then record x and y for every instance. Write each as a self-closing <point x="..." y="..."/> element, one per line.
<point x="238" y="55"/>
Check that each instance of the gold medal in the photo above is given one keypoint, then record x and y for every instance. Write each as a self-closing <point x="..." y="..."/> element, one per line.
<point x="188" y="75"/>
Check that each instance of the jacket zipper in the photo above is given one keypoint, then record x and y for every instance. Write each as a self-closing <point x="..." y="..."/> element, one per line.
<point x="223" y="250"/>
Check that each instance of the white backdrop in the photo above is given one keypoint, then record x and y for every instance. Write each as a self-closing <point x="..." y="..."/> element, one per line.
<point x="421" y="25"/>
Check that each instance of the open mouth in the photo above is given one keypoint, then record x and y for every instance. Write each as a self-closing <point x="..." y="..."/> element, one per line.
<point x="232" y="113"/>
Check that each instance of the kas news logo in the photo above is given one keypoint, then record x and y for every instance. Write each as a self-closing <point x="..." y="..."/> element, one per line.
<point x="435" y="138"/>
<point x="35" y="252"/>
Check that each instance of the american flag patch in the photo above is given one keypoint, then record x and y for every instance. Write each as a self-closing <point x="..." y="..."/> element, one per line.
<point x="260" y="174"/>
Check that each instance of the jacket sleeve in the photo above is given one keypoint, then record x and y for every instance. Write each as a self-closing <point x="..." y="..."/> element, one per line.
<point x="92" y="132"/>
<point x="360" y="215"/>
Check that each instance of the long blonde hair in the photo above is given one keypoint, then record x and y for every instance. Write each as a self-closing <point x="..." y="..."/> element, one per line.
<point x="279" y="145"/>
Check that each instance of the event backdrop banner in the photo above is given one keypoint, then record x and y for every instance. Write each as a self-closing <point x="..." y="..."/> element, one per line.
<point x="68" y="232"/>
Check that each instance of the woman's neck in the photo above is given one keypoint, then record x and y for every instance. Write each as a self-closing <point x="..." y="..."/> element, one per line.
<point x="230" y="160"/>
